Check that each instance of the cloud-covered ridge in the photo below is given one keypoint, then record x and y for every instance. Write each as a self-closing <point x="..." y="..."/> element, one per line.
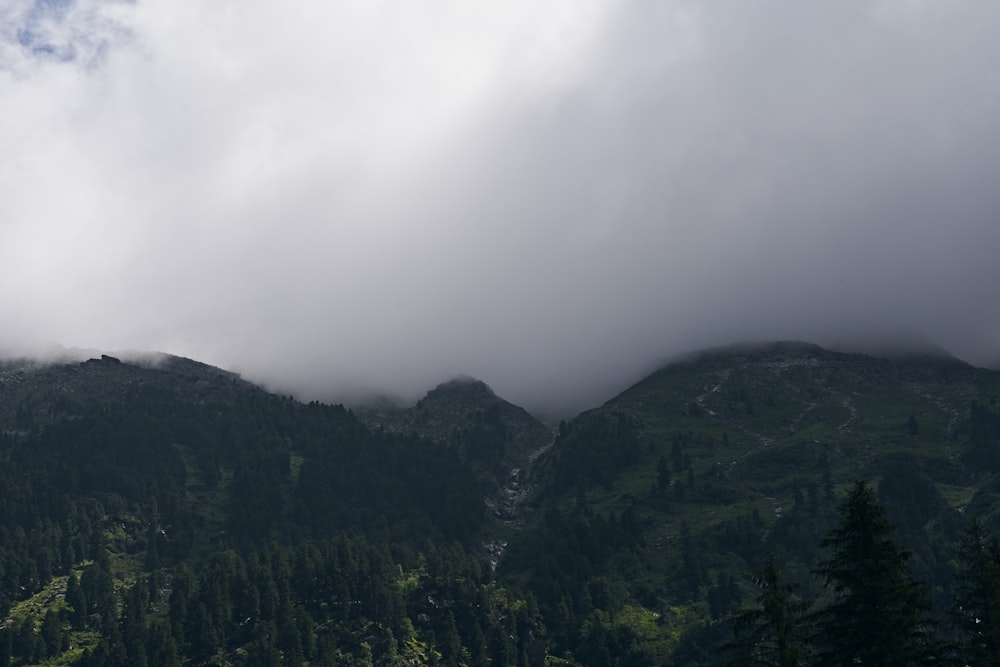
<point x="334" y="197"/>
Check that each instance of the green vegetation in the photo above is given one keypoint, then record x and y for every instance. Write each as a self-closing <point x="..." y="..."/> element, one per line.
<point x="167" y="524"/>
<point x="175" y="515"/>
<point x="879" y="614"/>
<point x="742" y="452"/>
<point x="773" y="632"/>
<point x="976" y="613"/>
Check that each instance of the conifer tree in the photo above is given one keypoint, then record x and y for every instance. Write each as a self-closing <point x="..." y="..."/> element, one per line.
<point x="133" y="625"/>
<point x="6" y="637"/>
<point x="976" y="613"/>
<point x="52" y="633"/>
<point x="879" y="615"/>
<point x="77" y="602"/>
<point x="771" y="633"/>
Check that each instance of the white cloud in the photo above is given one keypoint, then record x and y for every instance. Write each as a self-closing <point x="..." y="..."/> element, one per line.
<point x="546" y="196"/>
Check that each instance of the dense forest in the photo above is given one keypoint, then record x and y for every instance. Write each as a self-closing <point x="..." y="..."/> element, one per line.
<point x="189" y="528"/>
<point x="776" y="506"/>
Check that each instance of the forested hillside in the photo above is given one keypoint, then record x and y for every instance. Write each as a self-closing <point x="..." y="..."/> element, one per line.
<point x="173" y="513"/>
<point x="164" y="512"/>
<point x="653" y="510"/>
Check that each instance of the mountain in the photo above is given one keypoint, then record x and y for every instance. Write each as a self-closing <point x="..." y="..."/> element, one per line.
<point x="167" y="512"/>
<point x="495" y="438"/>
<point x="155" y="510"/>
<point x="660" y="501"/>
<point x="44" y="392"/>
<point x="467" y="414"/>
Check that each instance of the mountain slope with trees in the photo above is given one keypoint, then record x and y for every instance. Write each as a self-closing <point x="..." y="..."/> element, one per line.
<point x="166" y="512"/>
<point x="129" y="477"/>
<point x="653" y="509"/>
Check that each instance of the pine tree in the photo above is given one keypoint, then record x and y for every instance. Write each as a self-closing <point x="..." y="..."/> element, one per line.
<point x="162" y="647"/>
<point x="879" y="615"/>
<point x="662" y="474"/>
<point x="52" y="633"/>
<point x="976" y="614"/>
<point x="77" y="601"/>
<point x="133" y="625"/>
<point x="772" y="632"/>
<point x="6" y="639"/>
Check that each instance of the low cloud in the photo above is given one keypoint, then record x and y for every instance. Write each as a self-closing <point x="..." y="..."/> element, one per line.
<point x="335" y="198"/>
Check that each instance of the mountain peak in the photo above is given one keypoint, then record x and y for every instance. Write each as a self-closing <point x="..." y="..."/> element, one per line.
<point x="51" y="389"/>
<point x="463" y="410"/>
<point x="458" y="396"/>
<point x="463" y="385"/>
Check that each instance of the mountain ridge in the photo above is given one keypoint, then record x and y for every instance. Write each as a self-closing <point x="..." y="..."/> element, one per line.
<point x="701" y="468"/>
<point x="626" y="532"/>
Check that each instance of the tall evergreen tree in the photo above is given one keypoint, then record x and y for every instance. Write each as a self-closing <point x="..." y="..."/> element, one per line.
<point x="133" y="625"/>
<point x="771" y="633"/>
<point x="977" y="597"/>
<point x="6" y="639"/>
<point x="77" y="602"/>
<point x="879" y="615"/>
<point x="52" y="633"/>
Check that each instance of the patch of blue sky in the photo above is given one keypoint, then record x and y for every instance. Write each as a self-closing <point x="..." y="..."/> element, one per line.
<point x="65" y="31"/>
<point x="52" y="5"/>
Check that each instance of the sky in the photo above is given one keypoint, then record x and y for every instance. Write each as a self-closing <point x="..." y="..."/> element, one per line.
<point x="358" y="196"/>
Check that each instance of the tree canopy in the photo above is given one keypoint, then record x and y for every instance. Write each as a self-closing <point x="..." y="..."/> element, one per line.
<point x="879" y="614"/>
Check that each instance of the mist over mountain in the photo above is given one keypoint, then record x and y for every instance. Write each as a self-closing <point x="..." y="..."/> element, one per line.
<point x="587" y="387"/>
<point x="444" y="333"/>
<point x="335" y="201"/>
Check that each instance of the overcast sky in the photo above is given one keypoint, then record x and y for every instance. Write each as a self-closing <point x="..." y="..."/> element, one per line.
<point x="333" y="196"/>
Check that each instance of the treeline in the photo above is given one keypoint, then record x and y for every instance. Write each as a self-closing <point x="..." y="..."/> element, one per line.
<point x="866" y="606"/>
<point x="483" y="439"/>
<point x="564" y="563"/>
<point x="343" y="601"/>
<point x="984" y="437"/>
<point x="262" y="531"/>
<point x="591" y="570"/>
<point x="873" y="610"/>
<point x="156" y="473"/>
<point x="254" y="531"/>
<point x="594" y="448"/>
